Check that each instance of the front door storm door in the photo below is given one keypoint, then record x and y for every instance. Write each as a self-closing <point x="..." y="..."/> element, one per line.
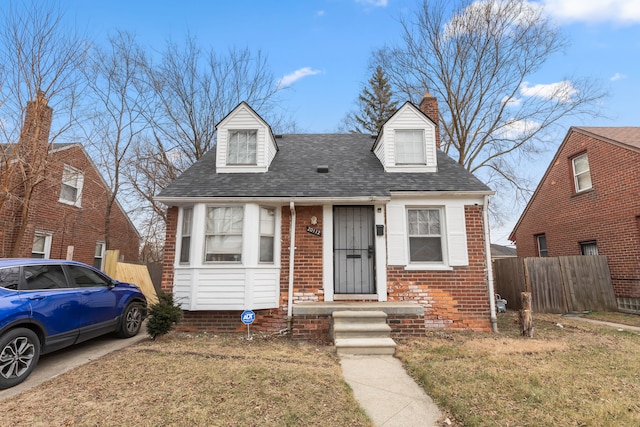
<point x="353" y="250"/>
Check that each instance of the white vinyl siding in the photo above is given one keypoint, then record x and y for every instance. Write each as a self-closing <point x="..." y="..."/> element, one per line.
<point x="407" y="123"/>
<point x="242" y="282"/>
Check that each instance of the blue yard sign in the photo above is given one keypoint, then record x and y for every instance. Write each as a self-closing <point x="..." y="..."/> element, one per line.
<point x="248" y="317"/>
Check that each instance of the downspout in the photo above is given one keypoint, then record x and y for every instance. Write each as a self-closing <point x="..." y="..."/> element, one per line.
<point x="292" y="251"/>
<point x="487" y="251"/>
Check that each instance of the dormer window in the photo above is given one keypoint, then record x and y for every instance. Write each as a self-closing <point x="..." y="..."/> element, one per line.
<point x="242" y="147"/>
<point x="410" y="147"/>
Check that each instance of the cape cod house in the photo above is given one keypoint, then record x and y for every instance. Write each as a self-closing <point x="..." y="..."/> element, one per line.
<point x="298" y="226"/>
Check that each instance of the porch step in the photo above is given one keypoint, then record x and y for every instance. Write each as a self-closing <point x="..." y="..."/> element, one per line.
<point x="362" y="332"/>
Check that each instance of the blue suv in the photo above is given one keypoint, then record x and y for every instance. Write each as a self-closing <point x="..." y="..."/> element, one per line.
<point x="46" y="305"/>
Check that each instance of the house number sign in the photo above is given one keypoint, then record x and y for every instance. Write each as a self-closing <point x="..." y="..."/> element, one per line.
<point x="315" y="231"/>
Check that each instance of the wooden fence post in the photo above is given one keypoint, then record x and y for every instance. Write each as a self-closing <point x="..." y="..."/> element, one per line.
<point x="526" y="318"/>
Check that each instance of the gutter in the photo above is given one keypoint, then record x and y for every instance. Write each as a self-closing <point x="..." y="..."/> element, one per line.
<point x="292" y="251"/>
<point x="487" y="250"/>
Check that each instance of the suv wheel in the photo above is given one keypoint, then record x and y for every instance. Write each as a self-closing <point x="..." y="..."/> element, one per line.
<point x="19" y="354"/>
<point x="131" y="320"/>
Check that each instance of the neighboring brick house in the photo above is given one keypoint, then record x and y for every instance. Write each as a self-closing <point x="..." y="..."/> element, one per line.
<point x="66" y="219"/>
<point x="588" y="202"/>
<point x="297" y="226"/>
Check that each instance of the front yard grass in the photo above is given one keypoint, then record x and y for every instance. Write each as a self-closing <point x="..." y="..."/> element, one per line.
<point x="196" y="380"/>
<point x="572" y="373"/>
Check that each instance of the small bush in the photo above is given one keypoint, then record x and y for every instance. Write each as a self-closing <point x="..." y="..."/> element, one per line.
<point x="163" y="315"/>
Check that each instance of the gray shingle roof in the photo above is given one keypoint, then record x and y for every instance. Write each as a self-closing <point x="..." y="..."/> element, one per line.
<point x="354" y="171"/>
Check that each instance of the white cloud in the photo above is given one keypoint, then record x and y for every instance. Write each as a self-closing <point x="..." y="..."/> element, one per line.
<point x="291" y="78"/>
<point x="516" y="128"/>
<point x="320" y="13"/>
<point x="618" y="76"/>
<point x="617" y="11"/>
<point x="562" y="91"/>
<point x="511" y="102"/>
<point x="374" y="3"/>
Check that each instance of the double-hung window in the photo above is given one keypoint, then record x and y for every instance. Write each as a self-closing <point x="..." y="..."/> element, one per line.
<point x="71" y="188"/>
<point x="425" y="235"/>
<point x="241" y="147"/>
<point x="541" y="241"/>
<point x="581" y="173"/>
<point x="267" y="233"/>
<point x="41" y="245"/>
<point x="185" y="242"/>
<point x="98" y="255"/>
<point x="410" y="147"/>
<point x="223" y="234"/>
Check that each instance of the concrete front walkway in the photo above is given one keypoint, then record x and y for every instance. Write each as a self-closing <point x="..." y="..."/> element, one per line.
<point x="387" y="393"/>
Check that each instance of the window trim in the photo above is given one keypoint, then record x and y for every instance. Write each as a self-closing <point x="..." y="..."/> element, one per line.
<point x="576" y="185"/>
<point x="78" y="177"/>
<point x="442" y="236"/>
<point x="423" y="162"/>
<point x="47" y="245"/>
<point x="539" y="250"/>
<point x="230" y="134"/>
<point x="103" y="245"/>
<point x="261" y="235"/>
<point x="241" y="234"/>
<point x="188" y="235"/>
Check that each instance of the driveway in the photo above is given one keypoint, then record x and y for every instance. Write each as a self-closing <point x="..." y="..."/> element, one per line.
<point x="53" y="364"/>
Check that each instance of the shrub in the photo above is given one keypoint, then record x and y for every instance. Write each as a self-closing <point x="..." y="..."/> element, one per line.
<point x="163" y="315"/>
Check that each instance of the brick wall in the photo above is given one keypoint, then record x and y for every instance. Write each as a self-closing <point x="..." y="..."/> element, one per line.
<point x="452" y="299"/>
<point x="608" y="213"/>
<point x="80" y="227"/>
<point x="169" y="252"/>
<point x="456" y="299"/>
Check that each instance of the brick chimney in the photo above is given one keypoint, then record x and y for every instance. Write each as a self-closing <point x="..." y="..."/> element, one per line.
<point x="429" y="106"/>
<point x="34" y="137"/>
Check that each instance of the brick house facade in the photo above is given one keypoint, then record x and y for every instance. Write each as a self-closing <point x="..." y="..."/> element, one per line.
<point x="66" y="219"/>
<point x="450" y="293"/>
<point x="594" y="209"/>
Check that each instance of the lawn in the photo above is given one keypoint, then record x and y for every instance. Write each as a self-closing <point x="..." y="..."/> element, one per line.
<point x="196" y="380"/>
<point x="572" y="373"/>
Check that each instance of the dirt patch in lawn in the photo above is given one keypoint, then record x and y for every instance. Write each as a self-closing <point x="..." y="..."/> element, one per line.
<point x="196" y="380"/>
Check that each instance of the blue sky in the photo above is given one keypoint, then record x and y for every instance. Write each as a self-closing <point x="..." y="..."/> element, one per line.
<point x="321" y="48"/>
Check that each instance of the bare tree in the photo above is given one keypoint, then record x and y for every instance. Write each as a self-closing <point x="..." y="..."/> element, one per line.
<point x="114" y="77"/>
<point x="477" y="59"/>
<point x="40" y="60"/>
<point x="192" y="90"/>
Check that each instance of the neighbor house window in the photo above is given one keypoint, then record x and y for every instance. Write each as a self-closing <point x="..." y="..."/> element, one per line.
<point x="223" y="234"/>
<point x="267" y="233"/>
<point x="581" y="174"/>
<point x="185" y="243"/>
<point x="409" y="146"/>
<point x="541" y="241"/>
<point x="98" y="255"/>
<point x="242" y="147"/>
<point x="41" y="245"/>
<point x="71" y="189"/>
<point x="589" y="248"/>
<point x="425" y="235"/>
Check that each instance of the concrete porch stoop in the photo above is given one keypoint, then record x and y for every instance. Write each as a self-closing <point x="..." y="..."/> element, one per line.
<point x="362" y="332"/>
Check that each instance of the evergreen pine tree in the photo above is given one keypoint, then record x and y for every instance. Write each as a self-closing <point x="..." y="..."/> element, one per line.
<point x="376" y="104"/>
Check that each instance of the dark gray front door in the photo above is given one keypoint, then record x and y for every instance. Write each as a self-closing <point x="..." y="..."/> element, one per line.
<point x="353" y="250"/>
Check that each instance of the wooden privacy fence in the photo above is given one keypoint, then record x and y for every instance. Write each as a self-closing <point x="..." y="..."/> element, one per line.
<point x="131" y="273"/>
<point x="557" y="285"/>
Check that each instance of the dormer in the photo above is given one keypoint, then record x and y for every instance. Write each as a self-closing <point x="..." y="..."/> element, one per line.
<point x="245" y="142"/>
<point x="409" y="139"/>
